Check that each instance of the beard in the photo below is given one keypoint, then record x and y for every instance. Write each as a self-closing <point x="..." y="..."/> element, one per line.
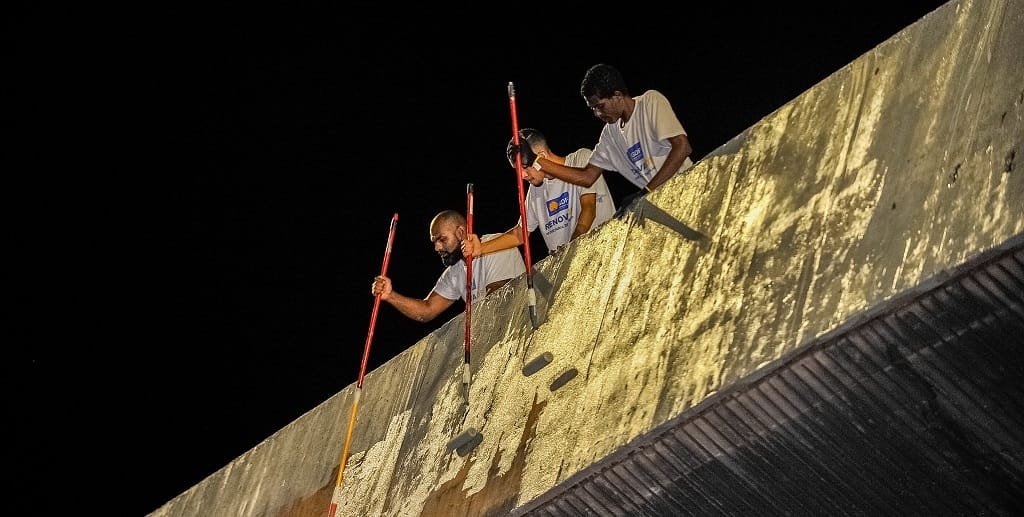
<point x="450" y="258"/>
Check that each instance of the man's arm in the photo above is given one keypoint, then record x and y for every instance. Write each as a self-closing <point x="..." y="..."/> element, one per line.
<point x="585" y="176"/>
<point x="588" y="211"/>
<point x="420" y="310"/>
<point x="471" y="245"/>
<point x="680" y="151"/>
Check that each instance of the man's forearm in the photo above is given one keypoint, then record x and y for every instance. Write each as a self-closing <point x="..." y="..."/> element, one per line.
<point x="673" y="162"/>
<point x="413" y="308"/>
<point x="507" y="240"/>
<point x="582" y="226"/>
<point x="588" y="212"/>
<point x="577" y="176"/>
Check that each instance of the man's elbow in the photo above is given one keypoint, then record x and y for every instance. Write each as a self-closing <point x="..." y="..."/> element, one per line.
<point x="590" y="176"/>
<point x="683" y="143"/>
<point x="425" y="312"/>
<point x="425" y="317"/>
<point x="583" y="226"/>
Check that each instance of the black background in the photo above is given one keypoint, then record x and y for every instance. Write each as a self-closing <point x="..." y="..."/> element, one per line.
<point x="199" y="196"/>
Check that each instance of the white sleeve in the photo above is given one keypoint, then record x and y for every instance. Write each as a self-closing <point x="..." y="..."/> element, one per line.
<point x="602" y="155"/>
<point x="450" y="285"/>
<point x="666" y="124"/>
<point x="583" y="155"/>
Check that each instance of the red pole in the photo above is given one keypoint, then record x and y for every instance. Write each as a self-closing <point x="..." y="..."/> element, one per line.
<point x="469" y="289"/>
<point x="524" y="233"/>
<point x="362" y="371"/>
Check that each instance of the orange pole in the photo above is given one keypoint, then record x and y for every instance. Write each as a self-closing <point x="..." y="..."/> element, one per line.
<point x="469" y="289"/>
<point x="362" y="372"/>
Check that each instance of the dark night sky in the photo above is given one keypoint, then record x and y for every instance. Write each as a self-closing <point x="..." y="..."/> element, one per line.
<point x="263" y="151"/>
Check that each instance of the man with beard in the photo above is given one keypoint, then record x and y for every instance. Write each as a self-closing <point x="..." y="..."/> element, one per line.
<point x="447" y="231"/>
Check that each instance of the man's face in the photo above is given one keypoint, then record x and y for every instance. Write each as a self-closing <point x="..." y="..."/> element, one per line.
<point x="447" y="239"/>
<point x="535" y="177"/>
<point x="608" y="109"/>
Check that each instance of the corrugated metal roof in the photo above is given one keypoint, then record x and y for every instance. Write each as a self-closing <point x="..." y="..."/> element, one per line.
<point x="916" y="410"/>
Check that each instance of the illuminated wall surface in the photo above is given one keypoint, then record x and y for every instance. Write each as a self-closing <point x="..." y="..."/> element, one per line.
<point x="716" y="368"/>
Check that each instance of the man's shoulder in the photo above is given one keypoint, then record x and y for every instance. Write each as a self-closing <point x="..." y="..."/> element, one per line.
<point x="651" y="94"/>
<point x="579" y="157"/>
<point x="449" y="270"/>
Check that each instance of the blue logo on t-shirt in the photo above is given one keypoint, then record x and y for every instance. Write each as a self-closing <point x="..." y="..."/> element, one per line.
<point x="635" y="153"/>
<point x="558" y="204"/>
<point x="636" y="162"/>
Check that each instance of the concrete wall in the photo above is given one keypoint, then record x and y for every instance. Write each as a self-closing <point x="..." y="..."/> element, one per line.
<point x="880" y="179"/>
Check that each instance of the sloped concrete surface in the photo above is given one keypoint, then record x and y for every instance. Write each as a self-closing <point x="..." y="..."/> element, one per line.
<point x="880" y="180"/>
<point x="917" y="410"/>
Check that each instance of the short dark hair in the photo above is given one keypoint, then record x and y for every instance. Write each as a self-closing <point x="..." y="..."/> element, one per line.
<point x="532" y="137"/>
<point x="603" y="80"/>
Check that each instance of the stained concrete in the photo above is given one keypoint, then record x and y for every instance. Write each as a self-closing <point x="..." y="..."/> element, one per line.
<point x="880" y="179"/>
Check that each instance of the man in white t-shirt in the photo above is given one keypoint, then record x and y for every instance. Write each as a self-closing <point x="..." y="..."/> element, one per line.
<point x="561" y="211"/>
<point x="642" y="139"/>
<point x="447" y="231"/>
